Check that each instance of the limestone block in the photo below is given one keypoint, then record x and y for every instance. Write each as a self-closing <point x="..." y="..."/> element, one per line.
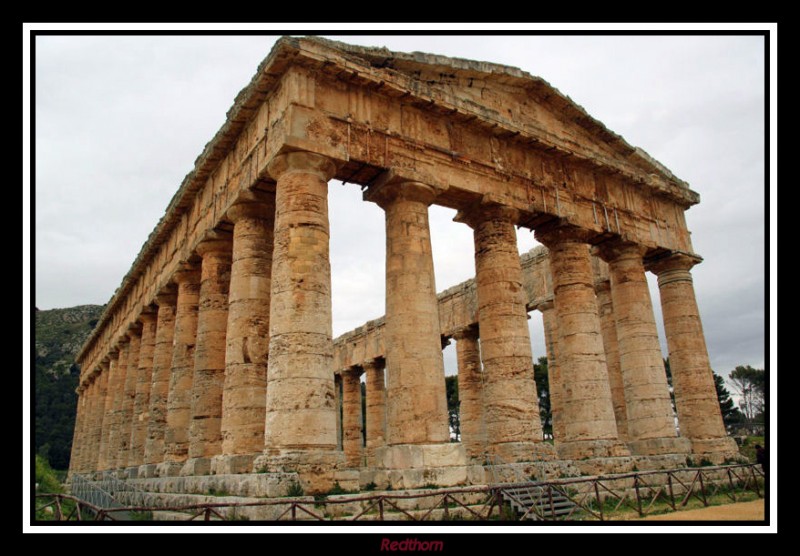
<point x="415" y="390"/>
<point x="247" y="337"/>
<point x="695" y="395"/>
<point x="159" y="389"/>
<point x="205" y="438"/>
<point x="141" y="406"/>
<point x="300" y="411"/>
<point x="176" y="435"/>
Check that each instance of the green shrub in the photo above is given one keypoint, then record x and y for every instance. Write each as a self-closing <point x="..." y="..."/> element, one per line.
<point x="46" y="480"/>
<point x="295" y="490"/>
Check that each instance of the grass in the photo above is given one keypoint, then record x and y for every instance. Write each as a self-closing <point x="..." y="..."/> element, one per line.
<point x="748" y="448"/>
<point x="221" y="492"/>
<point x="295" y="490"/>
<point x="628" y="510"/>
<point x="142" y="516"/>
<point x="47" y="483"/>
<point x="337" y="489"/>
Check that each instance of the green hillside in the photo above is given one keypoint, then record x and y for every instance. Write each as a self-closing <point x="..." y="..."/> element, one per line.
<point x="58" y="336"/>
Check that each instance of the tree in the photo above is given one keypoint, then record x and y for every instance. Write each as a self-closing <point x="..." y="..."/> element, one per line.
<point x="453" y="405"/>
<point x="750" y="385"/>
<point x="730" y="413"/>
<point x="540" y="375"/>
<point x="668" y="370"/>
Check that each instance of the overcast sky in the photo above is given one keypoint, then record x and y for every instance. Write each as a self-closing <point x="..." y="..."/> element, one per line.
<point x="120" y="121"/>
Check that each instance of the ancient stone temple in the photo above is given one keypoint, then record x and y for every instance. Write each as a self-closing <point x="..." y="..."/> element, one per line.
<point x="215" y="356"/>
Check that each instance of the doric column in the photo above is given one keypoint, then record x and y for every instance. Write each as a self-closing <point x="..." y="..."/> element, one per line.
<point x="513" y="424"/>
<point x="550" y="324"/>
<point x="98" y="412"/>
<point x="179" y="399"/>
<point x="415" y="387"/>
<point x="337" y="402"/>
<point x="696" y="401"/>
<point x="154" y="448"/>
<point x="78" y="432"/>
<point x="376" y="407"/>
<point x="205" y="437"/>
<point x="129" y="395"/>
<point x="589" y="426"/>
<point x="141" y="404"/>
<point x="109" y="364"/>
<point x="352" y="434"/>
<point x="651" y="423"/>
<point x="300" y="427"/>
<point x="117" y="410"/>
<point x="608" y="323"/>
<point x="88" y="447"/>
<point x="470" y="392"/>
<point x="245" y="388"/>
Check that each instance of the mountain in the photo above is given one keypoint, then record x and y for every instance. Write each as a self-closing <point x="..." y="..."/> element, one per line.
<point x="58" y="335"/>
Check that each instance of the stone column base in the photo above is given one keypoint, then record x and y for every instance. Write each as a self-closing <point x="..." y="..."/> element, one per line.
<point x="169" y="468"/>
<point x="421" y="456"/>
<point x="233" y="464"/>
<point x="147" y="471"/>
<point x="585" y="449"/>
<point x="513" y="452"/>
<point x="405" y="466"/>
<point x="193" y="467"/>
<point x="726" y="447"/>
<point x="662" y="461"/>
<point x="660" y="446"/>
<point x="317" y="469"/>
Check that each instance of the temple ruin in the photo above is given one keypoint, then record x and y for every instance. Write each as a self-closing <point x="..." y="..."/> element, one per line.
<point x="215" y="356"/>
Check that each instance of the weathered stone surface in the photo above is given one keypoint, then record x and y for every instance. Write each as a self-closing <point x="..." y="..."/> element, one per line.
<point x="141" y="405"/>
<point x="247" y="349"/>
<point x="255" y="485"/>
<point x="648" y="407"/>
<point x="470" y="393"/>
<point x="692" y="380"/>
<point x="608" y="325"/>
<point x="176" y="433"/>
<point x="110" y="366"/>
<point x="117" y="411"/>
<point x="316" y="469"/>
<point x="205" y="437"/>
<point x="159" y="390"/>
<point x="498" y="145"/>
<point x="352" y="435"/>
<point x="415" y="391"/>
<point x="511" y="410"/>
<point x="129" y="396"/>
<point x="589" y="426"/>
<point x="376" y="407"/>
<point x="100" y="386"/>
<point x="300" y="412"/>
<point x="337" y="403"/>
<point x="79" y="432"/>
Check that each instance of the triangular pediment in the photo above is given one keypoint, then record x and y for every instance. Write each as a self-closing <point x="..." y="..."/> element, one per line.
<point x="507" y="99"/>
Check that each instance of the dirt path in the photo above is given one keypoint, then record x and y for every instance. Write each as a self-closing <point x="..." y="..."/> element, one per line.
<point x="743" y="511"/>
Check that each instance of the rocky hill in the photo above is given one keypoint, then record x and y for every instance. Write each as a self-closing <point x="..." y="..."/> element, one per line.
<point x="58" y="335"/>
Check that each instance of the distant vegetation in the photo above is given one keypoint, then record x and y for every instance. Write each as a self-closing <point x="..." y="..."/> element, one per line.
<point x="58" y="336"/>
